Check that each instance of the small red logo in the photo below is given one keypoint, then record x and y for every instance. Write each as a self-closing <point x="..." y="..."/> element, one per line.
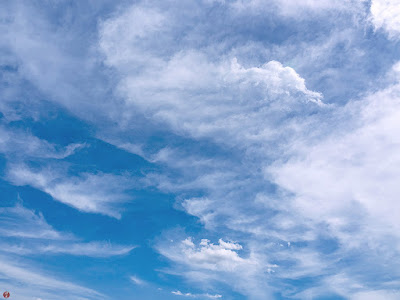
<point x="6" y="294"/>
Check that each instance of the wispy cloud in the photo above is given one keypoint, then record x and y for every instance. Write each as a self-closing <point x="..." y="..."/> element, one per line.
<point x="137" y="280"/>
<point x="20" y="222"/>
<point x="23" y="145"/>
<point x="95" y="193"/>
<point x="38" y="284"/>
<point x="179" y="293"/>
<point x="23" y="232"/>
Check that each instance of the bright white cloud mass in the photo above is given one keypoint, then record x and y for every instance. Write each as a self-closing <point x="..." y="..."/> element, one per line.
<point x="386" y="15"/>
<point x="214" y="149"/>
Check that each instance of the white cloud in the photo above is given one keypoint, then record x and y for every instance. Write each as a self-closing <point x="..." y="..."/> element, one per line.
<point x="344" y="186"/>
<point x="323" y="187"/>
<point x="25" y="281"/>
<point x="196" y="95"/>
<point x="296" y="9"/>
<point x="22" y="144"/>
<point x="137" y="280"/>
<point x="337" y="180"/>
<point x="350" y="168"/>
<point x="201" y="207"/>
<point x="386" y="15"/>
<point x="250" y="107"/>
<point x="20" y="222"/>
<point x="207" y="262"/>
<point x="92" y="249"/>
<point x="336" y="193"/>
<point x="95" y="193"/>
<point x="376" y="295"/>
<point x="220" y="257"/>
<point x="32" y="235"/>
<point x="349" y="288"/>
<point x="234" y="100"/>
<point x="135" y="24"/>
<point x="179" y="293"/>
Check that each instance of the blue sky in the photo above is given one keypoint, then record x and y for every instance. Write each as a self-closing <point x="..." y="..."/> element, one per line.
<point x="210" y="149"/>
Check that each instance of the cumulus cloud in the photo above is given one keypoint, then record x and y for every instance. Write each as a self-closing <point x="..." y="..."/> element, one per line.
<point x="222" y="256"/>
<point x="221" y="262"/>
